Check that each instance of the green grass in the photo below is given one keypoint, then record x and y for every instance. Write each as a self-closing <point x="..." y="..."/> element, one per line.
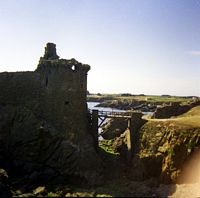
<point x="149" y="98"/>
<point x="191" y="118"/>
<point x="106" y="145"/>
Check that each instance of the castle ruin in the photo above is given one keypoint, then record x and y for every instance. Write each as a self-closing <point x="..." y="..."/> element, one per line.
<point x="43" y="120"/>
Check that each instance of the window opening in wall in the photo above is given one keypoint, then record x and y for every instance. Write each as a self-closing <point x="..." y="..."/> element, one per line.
<point x="73" y="67"/>
<point x="66" y="102"/>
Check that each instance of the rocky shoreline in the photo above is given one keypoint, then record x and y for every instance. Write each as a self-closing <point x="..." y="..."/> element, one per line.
<point x="161" y="109"/>
<point x="139" y="105"/>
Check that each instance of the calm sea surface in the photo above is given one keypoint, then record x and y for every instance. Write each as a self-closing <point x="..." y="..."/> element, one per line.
<point x="91" y="105"/>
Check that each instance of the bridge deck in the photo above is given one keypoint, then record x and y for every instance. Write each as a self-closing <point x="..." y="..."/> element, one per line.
<point x="113" y="114"/>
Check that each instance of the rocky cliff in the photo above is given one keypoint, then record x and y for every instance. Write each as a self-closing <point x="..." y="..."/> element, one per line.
<point x="166" y="147"/>
<point x="174" y="109"/>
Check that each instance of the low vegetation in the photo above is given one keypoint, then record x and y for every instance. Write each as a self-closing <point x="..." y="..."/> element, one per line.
<point x="152" y="98"/>
<point x="106" y="145"/>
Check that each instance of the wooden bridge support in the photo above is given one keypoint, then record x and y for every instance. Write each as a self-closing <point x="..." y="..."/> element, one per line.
<point x="95" y="127"/>
<point x="129" y="140"/>
<point x="135" y="121"/>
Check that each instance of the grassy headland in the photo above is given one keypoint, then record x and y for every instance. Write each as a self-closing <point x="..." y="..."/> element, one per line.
<point x="190" y="119"/>
<point x="152" y="98"/>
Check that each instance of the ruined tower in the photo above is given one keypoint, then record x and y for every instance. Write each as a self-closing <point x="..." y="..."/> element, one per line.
<point x="65" y="87"/>
<point x="50" y="51"/>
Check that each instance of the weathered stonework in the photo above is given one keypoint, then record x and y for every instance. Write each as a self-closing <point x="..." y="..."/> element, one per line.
<point x="43" y="119"/>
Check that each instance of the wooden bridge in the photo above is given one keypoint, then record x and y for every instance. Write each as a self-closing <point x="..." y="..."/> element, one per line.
<point x="135" y="121"/>
<point x="103" y="115"/>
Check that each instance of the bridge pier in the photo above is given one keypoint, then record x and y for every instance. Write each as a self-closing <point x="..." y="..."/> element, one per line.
<point x="129" y="140"/>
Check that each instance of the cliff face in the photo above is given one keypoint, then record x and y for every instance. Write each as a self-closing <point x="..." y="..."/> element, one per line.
<point x="166" y="147"/>
<point x="174" y="109"/>
<point x="43" y="120"/>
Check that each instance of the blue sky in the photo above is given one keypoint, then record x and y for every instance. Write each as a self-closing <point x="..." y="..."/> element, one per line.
<point x="134" y="46"/>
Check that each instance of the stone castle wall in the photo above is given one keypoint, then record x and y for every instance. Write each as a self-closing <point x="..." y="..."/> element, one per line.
<point x="19" y="88"/>
<point x="64" y="94"/>
<point x="56" y="91"/>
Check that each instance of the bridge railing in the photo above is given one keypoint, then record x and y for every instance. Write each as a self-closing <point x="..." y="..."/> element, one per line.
<point x="112" y="113"/>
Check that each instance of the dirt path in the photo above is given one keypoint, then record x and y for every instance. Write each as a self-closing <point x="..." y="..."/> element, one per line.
<point x="190" y="121"/>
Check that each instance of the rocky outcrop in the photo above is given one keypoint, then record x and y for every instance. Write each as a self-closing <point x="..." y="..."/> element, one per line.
<point x="120" y="145"/>
<point x="128" y="142"/>
<point x="164" y="150"/>
<point x="174" y="109"/>
<point x="5" y="191"/>
<point x="130" y="105"/>
<point x="114" y="128"/>
<point x="44" y="131"/>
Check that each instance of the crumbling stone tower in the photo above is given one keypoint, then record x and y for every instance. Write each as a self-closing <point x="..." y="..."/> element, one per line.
<point x="65" y="87"/>
<point x="43" y="120"/>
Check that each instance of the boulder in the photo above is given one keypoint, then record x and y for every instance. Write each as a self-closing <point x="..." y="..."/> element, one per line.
<point x="127" y="143"/>
<point x="5" y="191"/>
<point x="114" y="128"/>
<point x="40" y="152"/>
<point x="41" y="190"/>
<point x="120" y="143"/>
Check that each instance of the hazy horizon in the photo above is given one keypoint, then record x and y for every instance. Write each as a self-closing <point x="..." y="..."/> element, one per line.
<point x="134" y="46"/>
<point x="138" y="94"/>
